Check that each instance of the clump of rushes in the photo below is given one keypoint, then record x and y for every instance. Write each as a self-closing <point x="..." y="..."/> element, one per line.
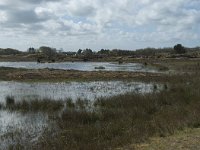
<point x="45" y="105"/>
<point x="165" y="86"/>
<point x="82" y="104"/>
<point x="155" y="87"/>
<point x="145" y="63"/>
<point x="10" y="101"/>
<point x="70" y="104"/>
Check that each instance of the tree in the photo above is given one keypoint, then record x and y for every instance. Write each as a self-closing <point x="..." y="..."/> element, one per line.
<point x="31" y="50"/>
<point x="87" y="52"/>
<point x="179" y="49"/>
<point x="49" y="52"/>
<point x="79" y="52"/>
<point x="9" y="51"/>
<point x="104" y="51"/>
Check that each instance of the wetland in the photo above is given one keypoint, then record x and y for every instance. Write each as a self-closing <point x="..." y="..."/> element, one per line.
<point x="56" y="108"/>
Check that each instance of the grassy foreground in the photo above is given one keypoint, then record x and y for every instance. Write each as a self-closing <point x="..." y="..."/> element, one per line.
<point x="127" y="119"/>
<point x="187" y="139"/>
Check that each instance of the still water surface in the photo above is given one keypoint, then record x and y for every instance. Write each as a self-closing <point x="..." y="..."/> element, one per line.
<point x="81" y="66"/>
<point x="72" y="90"/>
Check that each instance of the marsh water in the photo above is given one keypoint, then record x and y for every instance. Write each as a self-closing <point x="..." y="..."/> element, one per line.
<point x="72" y="90"/>
<point x="22" y="128"/>
<point x="81" y="66"/>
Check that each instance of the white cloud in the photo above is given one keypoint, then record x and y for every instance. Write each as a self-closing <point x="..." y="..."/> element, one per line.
<point x="102" y="22"/>
<point x="83" y="8"/>
<point x="3" y="17"/>
<point x="43" y="12"/>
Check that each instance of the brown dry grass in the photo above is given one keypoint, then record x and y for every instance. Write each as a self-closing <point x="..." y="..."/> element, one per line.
<point x="65" y="75"/>
<point x="182" y="140"/>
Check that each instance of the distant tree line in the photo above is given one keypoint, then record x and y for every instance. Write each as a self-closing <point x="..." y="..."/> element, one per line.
<point x="50" y="54"/>
<point x="9" y="51"/>
<point x="177" y="49"/>
<point x="119" y="52"/>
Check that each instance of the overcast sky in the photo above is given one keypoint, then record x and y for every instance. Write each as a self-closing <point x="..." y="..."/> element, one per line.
<point x="96" y="24"/>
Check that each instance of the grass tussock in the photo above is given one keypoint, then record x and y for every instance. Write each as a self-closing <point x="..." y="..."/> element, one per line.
<point x="45" y="105"/>
<point x="10" y="101"/>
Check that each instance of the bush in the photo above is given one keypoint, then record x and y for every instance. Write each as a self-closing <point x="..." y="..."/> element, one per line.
<point x="179" y="49"/>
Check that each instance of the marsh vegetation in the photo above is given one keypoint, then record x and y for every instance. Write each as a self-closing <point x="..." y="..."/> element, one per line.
<point x="107" y="122"/>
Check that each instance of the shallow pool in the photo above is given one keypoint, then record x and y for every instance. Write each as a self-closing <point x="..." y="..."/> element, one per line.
<point x="72" y="90"/>
<point x="81" y="66"/>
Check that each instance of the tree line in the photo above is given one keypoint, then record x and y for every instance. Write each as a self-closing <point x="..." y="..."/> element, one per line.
<point x="51" y="53"/>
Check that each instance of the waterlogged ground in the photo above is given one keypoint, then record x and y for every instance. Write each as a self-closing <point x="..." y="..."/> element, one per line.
<point x="81" y="66"/>
<point x="18" y="128"/>
<point x="72" y="90"/>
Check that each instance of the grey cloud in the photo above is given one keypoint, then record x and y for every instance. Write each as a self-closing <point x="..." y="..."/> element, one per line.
<point x="25" y="16"/>
<point x="86" y="11"/>
<point x="10" y="2"/>
<point x="35" y="27"/>
<point x="3" y="7"/>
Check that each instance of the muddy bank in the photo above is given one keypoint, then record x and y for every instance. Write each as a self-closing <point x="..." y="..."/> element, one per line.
<point x="8" y="74"/>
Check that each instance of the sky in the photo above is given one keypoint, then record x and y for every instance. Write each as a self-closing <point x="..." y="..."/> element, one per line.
<point x="97" y="24"/>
